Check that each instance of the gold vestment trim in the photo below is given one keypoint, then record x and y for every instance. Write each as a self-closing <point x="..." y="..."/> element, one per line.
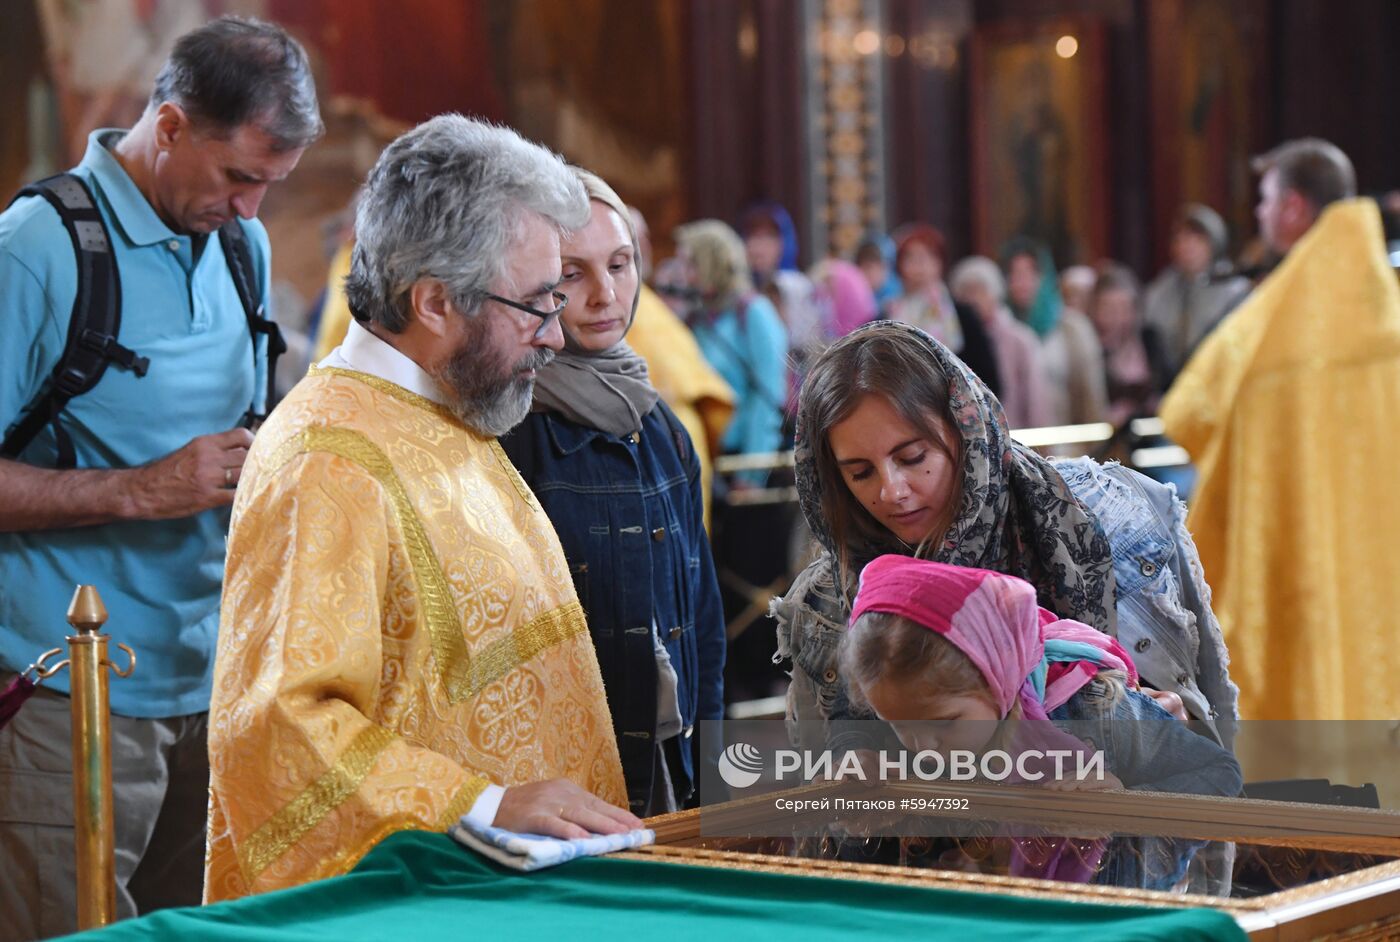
<point x="389" y="389"/>
<point x="504" y="655"/>
<point x="444" y="627"/>
<point x="279" y="832"/>
<point x="348" y="857"/>
<point x="403" y="395"/>
<point x="462" y="675"/>
<point x="462" y="802"/>
<point x="513" y="473"/>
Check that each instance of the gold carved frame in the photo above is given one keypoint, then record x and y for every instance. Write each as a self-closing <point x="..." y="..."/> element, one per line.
<point x="1358" y="906"/>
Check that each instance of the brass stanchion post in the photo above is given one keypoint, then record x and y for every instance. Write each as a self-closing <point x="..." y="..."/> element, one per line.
<point x="92" y="758"/>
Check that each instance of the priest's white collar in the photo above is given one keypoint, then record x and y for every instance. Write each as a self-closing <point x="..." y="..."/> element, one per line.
<point x="363" y="352"/>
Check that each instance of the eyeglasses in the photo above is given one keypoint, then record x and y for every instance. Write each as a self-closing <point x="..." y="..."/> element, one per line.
<point x="546" y="317"/>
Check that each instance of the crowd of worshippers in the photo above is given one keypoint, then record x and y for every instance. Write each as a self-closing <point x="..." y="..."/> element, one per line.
<point x="461" y="570"/>
<point x="1086" y="344"/>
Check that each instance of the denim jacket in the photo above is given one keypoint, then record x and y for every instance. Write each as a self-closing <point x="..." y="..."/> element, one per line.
<point x="1164" y="617"/>
<point x="1150" y="751"/>
<point x="1146" y="747"/>
<point x="1163" y="606"/>
<point x="629" y="516"/>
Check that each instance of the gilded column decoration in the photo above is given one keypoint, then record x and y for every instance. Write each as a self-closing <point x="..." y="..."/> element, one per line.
<point x="846" y="50"/>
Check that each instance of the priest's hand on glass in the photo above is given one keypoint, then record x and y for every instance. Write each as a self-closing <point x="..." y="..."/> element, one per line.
<point x="560" y="808"/>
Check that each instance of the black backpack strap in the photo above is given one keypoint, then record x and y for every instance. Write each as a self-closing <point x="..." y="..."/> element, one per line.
<point x="93" y="326"/>
<point x="239" y="257"/>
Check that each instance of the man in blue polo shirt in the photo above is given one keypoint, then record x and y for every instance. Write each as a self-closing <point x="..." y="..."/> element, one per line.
<point x="144" y="514"/>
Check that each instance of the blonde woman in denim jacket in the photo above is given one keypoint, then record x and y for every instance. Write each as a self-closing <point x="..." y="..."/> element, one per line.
<point x="901" y="447"/>
<point x="618" y="476"/>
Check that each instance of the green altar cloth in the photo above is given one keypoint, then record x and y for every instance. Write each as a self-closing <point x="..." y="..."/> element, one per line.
<point x="425" y="887"/>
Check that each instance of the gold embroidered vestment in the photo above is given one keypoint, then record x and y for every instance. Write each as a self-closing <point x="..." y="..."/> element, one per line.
<point x="399" y="629"/>
<point x="1289" y="411"/>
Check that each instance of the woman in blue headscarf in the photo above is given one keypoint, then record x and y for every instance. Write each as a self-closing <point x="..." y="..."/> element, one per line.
<point x="1070" y="347"/>
<point x="770" y="245"/>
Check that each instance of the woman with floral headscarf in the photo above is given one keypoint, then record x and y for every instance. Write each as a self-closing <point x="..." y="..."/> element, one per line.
<point x="901" y="449"/>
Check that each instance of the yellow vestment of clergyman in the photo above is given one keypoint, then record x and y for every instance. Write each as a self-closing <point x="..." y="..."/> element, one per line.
<point x="399" y="628"/>
<point x="1291" y="411"/>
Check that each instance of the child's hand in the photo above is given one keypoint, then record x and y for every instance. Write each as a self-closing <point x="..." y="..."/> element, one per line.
<point x="1169" y="701"/>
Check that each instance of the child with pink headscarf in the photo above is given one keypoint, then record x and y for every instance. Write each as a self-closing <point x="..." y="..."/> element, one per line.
<point x="947" y="655"/>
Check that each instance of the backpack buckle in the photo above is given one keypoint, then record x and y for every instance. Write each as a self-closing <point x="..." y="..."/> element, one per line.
<point x="106" y="345"/>
<point x="71" y="382"/>
<point x="253" y="419"/>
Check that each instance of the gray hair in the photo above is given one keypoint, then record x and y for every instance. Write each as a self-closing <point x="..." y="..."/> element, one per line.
<point x="446" y="201"/>
<point x="234" y="71"/>
<point x="1117" y="277"/>
<point x="978" y="270"/>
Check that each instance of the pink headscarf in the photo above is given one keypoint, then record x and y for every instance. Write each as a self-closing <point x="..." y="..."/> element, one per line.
<point x="850" y="299"/>
<point x="1024" y="652"/>
<point x="1017" y="646"/>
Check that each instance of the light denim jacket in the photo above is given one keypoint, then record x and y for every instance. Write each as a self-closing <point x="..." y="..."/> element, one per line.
<point x="1164" y="617"/>
<point x="1148" y="750"/>
<point x="1163" y="606"/>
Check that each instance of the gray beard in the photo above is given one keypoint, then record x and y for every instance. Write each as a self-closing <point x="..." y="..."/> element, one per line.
<point x="486" y="395"/>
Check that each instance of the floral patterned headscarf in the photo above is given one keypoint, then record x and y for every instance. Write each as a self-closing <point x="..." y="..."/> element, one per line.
<point x="1017" y="515"/>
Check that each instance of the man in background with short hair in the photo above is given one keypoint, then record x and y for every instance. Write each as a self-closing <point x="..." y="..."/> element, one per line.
<point x="1298" y="180"/>
<point x="1288" y="411"/>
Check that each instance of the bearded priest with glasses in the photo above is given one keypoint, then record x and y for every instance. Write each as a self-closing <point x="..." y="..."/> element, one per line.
<point x="401" y="642"/>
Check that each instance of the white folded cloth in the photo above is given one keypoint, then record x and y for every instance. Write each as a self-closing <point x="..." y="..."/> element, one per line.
<point x="533" y="851"/>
